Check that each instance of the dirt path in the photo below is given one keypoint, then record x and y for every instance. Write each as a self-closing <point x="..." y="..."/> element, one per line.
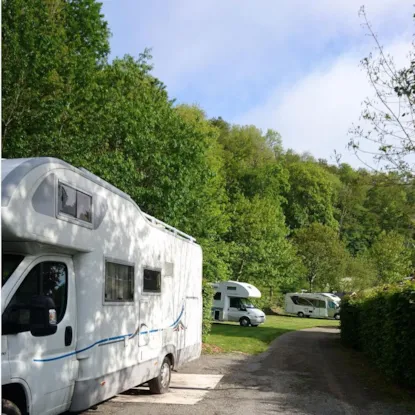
<point x="304" y="372"/>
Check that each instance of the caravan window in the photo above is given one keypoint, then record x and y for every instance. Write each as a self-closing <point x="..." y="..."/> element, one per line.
<point x="75" y="203"/>
<point x="217" y="296"/>
<point x="119" y="282"/>
<point x="152" y="281"/>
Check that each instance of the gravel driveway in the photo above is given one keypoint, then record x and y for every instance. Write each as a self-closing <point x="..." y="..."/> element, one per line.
<point x="303" y="372"/>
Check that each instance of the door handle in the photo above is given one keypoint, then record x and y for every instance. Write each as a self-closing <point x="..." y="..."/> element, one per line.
<point x="68" y="336"/>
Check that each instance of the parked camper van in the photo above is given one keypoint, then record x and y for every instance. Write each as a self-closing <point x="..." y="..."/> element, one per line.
<point x="97" y="296"/>
<point x="231" y="303"/>
<point x="312" y="305"/>
<point x="334" y="297"/>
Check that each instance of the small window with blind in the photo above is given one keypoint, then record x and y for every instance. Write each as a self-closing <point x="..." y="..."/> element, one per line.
<point x="119" y="282"/>
<point x="74" y="204"/>
<point x="152" y="281"/>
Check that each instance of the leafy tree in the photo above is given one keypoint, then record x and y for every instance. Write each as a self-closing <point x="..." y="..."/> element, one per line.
<point x="388" y="201"/>
<point x="392" y="258"/>
<point x="51" y="51"/>
<point x="360" y="273"/>
<point x="311" y="195"/>
<point x="323" y="254"/>
<point x="210" y="221"/>
<point x="259" y="250"/>
<point x="351" y="212"/>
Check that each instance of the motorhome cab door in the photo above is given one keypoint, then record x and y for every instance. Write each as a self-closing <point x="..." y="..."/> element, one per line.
<point x="46" y="365"/>
<point x="234" y="312"/>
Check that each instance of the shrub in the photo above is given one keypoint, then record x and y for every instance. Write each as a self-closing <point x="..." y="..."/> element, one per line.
<point x="381" y="323"/>
<point x="207" y="295"/>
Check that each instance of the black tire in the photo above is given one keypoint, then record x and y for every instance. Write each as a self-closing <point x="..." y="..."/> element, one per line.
<point x="300" y="314"/>
<point x="9" y="408"/>
<point x="337" y="316"/>
<point x="161" y="383"/>
<point x="244" y="322"/>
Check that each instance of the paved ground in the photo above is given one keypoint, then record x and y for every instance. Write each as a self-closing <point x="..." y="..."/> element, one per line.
<point x="304" y="372"/>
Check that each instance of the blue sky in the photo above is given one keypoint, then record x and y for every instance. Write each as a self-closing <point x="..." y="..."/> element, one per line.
<point x="291" y="66"/>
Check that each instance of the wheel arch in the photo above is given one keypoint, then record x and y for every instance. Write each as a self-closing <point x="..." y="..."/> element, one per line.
<point x="19" y="394"/>
<point x="170" y="352"/>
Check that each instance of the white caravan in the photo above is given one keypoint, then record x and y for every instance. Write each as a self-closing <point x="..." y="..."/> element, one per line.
<point x="311" y="305"/>
<point x="231" y="303"/>
<point x="97" y="296"/>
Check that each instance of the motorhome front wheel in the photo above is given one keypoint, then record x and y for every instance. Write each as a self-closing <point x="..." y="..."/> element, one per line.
<point x="161" y="383"/>
<point x="244" y="322"/>
<point x="9" y="408"/>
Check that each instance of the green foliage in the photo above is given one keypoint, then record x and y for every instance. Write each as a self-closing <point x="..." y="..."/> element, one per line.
<point x="391" y="257"/>
<point x="380" y="323"/>
<point x="324" y="256"/>
<point x="311" y="195"/>
<point x="262" y="214"/>
<point x="51" y="54"/>
<point x="207" y="296"/>
<point x="360" y="274"/>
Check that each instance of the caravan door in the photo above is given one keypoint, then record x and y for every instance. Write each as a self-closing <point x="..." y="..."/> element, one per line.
<point x="47" y="365"/>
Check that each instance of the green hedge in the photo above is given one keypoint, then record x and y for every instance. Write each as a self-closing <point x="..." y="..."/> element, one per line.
<point x="207" y="294"/>
<point x="381" y="323"/>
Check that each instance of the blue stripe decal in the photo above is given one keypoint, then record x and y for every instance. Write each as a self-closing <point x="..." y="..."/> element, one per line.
<point x="178" y="318"/>
<point x="110" y="339"/>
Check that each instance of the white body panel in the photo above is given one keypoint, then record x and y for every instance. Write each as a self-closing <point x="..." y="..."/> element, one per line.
<point x="334" y="297"/>
<point x="115" y="345"/>
<point x="229" y="303"/>
<point x="311" y="305"/>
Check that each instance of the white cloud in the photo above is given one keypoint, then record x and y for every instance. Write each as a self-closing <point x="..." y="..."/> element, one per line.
<point x="238" y="38"/>
<point x="315" y="113"/>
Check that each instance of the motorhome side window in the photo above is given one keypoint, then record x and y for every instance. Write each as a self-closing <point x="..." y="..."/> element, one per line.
<point x="75" y="203"/>
<point x="217" y="296"/>
<point x="303" y="301"/>
<point x="119" y="282"/>
<point x="47" y="278"/>
<point x="318" y="303"/>
<point x="152" y="281"/>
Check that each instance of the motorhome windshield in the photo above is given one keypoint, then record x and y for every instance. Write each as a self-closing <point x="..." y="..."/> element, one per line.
<point x="247" y="303"/>
<point x="9" y="263"/>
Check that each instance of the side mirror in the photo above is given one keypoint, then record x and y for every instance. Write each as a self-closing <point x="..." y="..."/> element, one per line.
<point x="13" y="315"/>
<point x="43" y="320"/>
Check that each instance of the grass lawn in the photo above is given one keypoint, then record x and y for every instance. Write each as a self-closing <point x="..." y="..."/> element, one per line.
<point x="231" y="337"/>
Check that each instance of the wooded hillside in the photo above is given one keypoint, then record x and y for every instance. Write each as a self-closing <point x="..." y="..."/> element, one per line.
<point x="261" y="212"/>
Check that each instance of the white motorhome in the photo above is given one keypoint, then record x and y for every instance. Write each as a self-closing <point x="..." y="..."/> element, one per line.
<point x="334" y="297"/>
<point x="97" y="296"/>
<point x="312" y="305"/>
<point x="231" y="303"/>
